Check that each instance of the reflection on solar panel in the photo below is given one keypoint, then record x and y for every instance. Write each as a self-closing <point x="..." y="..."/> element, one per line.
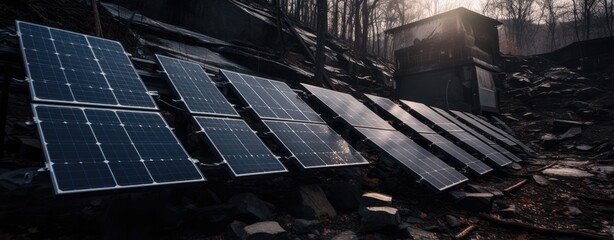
<point x="477" y="135"/>
<point x="235" y="142"/>
<point x="526" y="148"/>
<point x="315" y="145"/>
<point x="396" y="111"/>
<point x="432" y="116"/>
<point x="484" y="129"/>
<point x="197" y="91"/>
<point x="90" y="149"/>
<point x="347" y="107"/>
<point x="271" y="99"/>
<point x="414" y="158"/>
<point x="465" y="159"/>
<point x="485" y="150"/>
<point x="69" y="67"/>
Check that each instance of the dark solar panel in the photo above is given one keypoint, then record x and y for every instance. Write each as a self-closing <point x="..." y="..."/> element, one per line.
<point x="503" y="133"/>
<point x="90" y="149"/>
<point x="349" y="108"/>
<point x="69" y="67"/>
<point x="396" y="111"/>
<point x="271" y="99"/>
<point x="482" y="148"/>
<point x="477" y="135"/>
<point x="469" y="162"/>
<point x="469" y="120"/>
<point x="315" y="145"/>
<point x="431" y="116"/>
<point x="424" y="165"/>
<point x="196" y="89"/>
<point x="235" y="142"/>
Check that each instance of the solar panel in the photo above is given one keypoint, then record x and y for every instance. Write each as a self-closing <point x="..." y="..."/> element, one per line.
<point x="271" y="99"/>
<point x="348" y="108"/>
<point x="197" y="91"/>
<point x="69" y="67"/>
<point x="396" y="111"/>
<point x="315" y="145"/>
<point x="469" y="162"/>
<point x="526" y="148"/>
<point x="424" y="165"/>
<point x="431" y="116"/>
<point x="477" y="135"/>
<point x="490" y="154"/>
<point x="91" y="149"/>
<point x="235" y="142"/>
<point x="484" y="129"/>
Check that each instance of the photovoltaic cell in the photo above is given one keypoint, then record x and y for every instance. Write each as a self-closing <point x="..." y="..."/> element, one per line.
<point x="399" y="113"/>
<point x="235" y="142"/>
<point x="348" y="108"/>
<point x="484" y="129"/>
<point x="479" y="136"/>
<point x="315" y="145"/>
<point x="469" y="162"/>
<point x="424" y="165"/>
<point x="68" y="67"/>
<point x="431" y="116"/>
<point x="271" y="99"/>
<point x="526" y="148"/>
<point x="91" y="149"/>
<point x="197" y="91"/>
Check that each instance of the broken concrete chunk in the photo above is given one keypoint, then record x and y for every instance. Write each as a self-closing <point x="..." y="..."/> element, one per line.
<point x="264" y="230"/>
<point x="313" y="196"/>
<point x="378" y="218"/>
<point x="541" y="180"/>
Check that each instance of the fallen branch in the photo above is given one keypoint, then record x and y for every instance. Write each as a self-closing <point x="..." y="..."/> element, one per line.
<point x="465" y="232"/>
<point x="530" y="227"/>
<point x="544" y="167"/>
<point x="515" y="186"/>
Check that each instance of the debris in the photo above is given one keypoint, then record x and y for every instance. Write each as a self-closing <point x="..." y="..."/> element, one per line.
<point x="417" y="233"/>
<point x="544" y="167"/>
<point x="374" y="200"/>
<point x="347" y="235"/>
<point x="571" y="133"/>
<point x="250" y="204"/>
<point x="584" y="147"/>
<point x="344" y="196"/>
<point x="541" y="180"/>
<point x="550" y="141"/>
<point x="573" y="211"/>
<point x="588" y="93"/>
<point x="465" y="232"/>
<point x="302" y="226"/>
<point x="264" y="230"/>
<point x="567" y="172"/>
<point x="313" y="197"/>
<point x="235" y="229"/>
<point x="453" y="221"/>
<point x="472" y="201"/>
<point x="508" y="212"/>
<point x="559" y="125"/>
<point x="378" y="218"/>
<point x="515" y="186"/>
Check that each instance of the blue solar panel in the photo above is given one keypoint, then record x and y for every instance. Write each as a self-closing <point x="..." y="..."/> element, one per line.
<point x="69" y="67"/>
<point x="421" y="163"/>
<point x="90" y="149"/>
<point x="271" y="99"/>
<point x="469" y="162"/>
<point x="196" y="89"/>
<point x="235" y="142"/>
<point x="348" y="108"/>
<point x="432" y="116"/>
<point x="315" y="145"/>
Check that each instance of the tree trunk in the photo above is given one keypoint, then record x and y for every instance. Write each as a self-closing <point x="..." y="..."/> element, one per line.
<point x="365" y="27"/>
<point x="335" y="24"/>
<point x="357" y="31"/>
<point x="322" y="23"/>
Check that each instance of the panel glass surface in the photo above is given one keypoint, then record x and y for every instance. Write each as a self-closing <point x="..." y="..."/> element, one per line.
<point x="469" y="162"/>
<point x="414" y="158"/>
<point x="197" y="91"/>
<point x="431" y="116"/>
<point x="271" y="99"/>
<point x="315" y="145"/>
<point x="504" y="133"/>
<point x="469" y="120"/>
<point x="349" y="108"/>
<point x="399" y="113"/>
<point x="482" y="148"/>
<point x="70" y="67"/>
<point x="90" y="149"/>
<point x="236" y="143"/>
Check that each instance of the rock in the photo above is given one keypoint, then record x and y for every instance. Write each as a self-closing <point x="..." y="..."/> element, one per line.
<point x="347" y="235"/>
<point x="588" y="93"/>
<point x="264" y="230"/>
<point x="453" y="221"/>
<point x="235" y="230"/>
<point x="375" y="200"/>
<point x="559" y="125"/>
<point x="473" y="201"/>
<point x="567" y="172"/>
<point x="344" y="196"/>
<point x="378" y="218"/>
<point x="571" y="133"/>
<point x="419" y="234"/>
<point x="584" y="147"/>
<point x="302" y="226"/>
<point x="573" y="211"/>
<point x="414" y="220"/>
<point x="529" y="115"/>
<point x="313" y="196"/>
<point x="508" y="212"/>
<point x="518" y="80"/>
<point x="550" y="141"/>
<point x="249" y="204"/>
<point x="541" y="180"/>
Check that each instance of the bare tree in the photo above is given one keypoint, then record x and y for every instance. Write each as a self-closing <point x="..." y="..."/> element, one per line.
<point x="322" y="29"/>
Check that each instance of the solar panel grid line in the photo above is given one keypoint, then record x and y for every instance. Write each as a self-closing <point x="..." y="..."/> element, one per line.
<point x="299" y="104"/>
<point x="196" y="90"/>
<point x="419" y="162"/>
<point x="431" y="116"/>
<point x="490" y="154"/>
<point x="468" y="161"/>
<point x="251" y="158"/>
<point x="485" y="130"/>
<point x="502" y="132"/>
<point x="305" y="143"/>
<point x="92" y="149"/>
<point x="395" y="111"/>
<point x="348" y="108"/>
<point x="66" y="67"/>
